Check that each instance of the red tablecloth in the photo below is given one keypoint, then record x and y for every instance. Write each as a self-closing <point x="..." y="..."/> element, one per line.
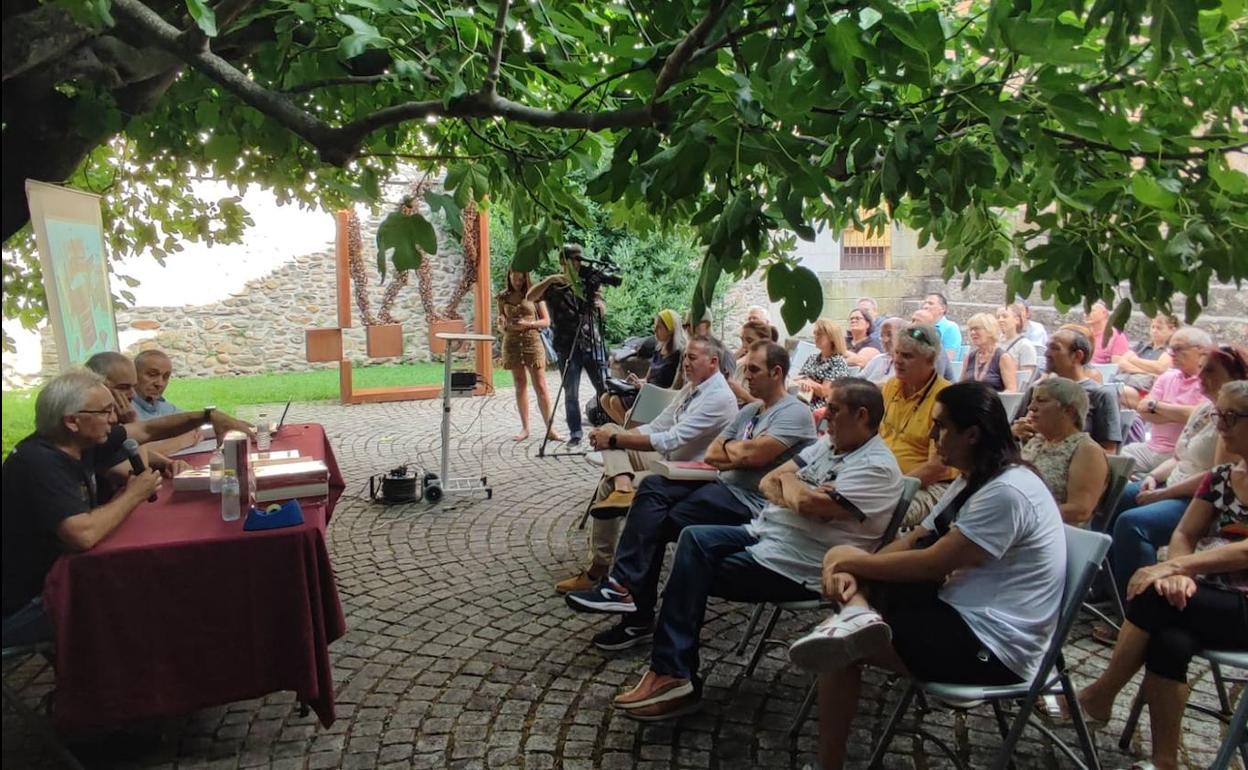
<point x="178" y="610"/>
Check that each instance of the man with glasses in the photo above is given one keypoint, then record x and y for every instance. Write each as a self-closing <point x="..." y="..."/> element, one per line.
<point x="1175" y="395"/>
<point x="767" y="433"/>
<point x="53" y="499"/>
<point x="682" y="431"/>
<point x="909" y="400"/>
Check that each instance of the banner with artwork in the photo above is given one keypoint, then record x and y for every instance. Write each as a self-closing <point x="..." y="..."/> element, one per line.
<point x="69" y="231"/>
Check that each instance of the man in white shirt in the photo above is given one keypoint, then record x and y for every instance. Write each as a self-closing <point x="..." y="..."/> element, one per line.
<point x="1034" y="331"/>
<point x="682" y="431"/>
<point x="822" y="498"/>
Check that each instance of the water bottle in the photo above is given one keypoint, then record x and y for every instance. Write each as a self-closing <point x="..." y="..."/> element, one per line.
<point x="263" y="439"/>
<point x="230" y="509"/>
<point x="216" y="471"/>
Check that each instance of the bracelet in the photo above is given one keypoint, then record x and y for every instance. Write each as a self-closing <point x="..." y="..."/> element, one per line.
<point x="612" y="441"/>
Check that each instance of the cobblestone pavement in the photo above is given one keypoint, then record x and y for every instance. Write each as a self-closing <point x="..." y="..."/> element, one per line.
<point x="459" y="654"/>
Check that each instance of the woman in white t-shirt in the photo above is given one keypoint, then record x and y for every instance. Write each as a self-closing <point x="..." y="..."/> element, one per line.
<point x="971" y="596"/>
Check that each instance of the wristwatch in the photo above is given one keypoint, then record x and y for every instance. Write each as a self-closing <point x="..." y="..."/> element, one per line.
<point x="208" y="410"/>
<point x="611" y="441"/>
<point x="1152" y="406"/>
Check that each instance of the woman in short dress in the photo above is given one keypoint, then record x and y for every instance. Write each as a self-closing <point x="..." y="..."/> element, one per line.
<point x="521" y="321"/>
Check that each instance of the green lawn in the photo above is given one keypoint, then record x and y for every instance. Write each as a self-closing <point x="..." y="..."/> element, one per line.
<point x="230" y="393"/>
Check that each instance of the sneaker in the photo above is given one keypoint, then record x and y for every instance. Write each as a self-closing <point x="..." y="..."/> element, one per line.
<point x="654" y="689"/>
<point x="623" y="635"/>
<point x="668" y="709"/>
<point x="841" y="640"/>
<point x="615" y="504"/>
<point x="574" y="439"/>
<point x="608" y="596"/>
<point x="594" y="458"/>
<point x="584" y="581"/>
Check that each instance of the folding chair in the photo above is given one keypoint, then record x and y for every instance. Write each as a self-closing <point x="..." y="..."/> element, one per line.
<point x="1231" y="716"/>
<point x="30" y="716"/>
<point x="1107" y="372"/>
<point x="1084" y="552"/>
<point x="803" y="351"/>
<point x="651" y="401"/>
<point x="909" y="487"/>
<point x="1025" y="377"/>
<point x="1011" y="402"/>
<point x="1102" y="520"/>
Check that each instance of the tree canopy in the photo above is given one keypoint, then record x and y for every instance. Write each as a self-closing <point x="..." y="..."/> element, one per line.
<point x="1095" y="142"/>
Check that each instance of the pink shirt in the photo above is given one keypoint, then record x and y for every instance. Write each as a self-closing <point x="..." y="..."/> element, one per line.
<point x="1102" y="354"/>
<point x="1172" y="387"/>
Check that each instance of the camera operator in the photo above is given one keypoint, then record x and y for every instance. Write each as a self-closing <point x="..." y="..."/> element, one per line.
<point x="576" y="326"/>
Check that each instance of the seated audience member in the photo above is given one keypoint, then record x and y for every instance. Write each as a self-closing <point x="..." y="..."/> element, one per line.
<point x="1067" y="355"/>
<point x="944" y="366"/>
<point x="825" y="497"/>
<point x="1072" y="465"/>
<point x="1097" y="320"/>
<point x="53" y="480"/>
<point x="682" y="431"/>
<point x="752" y="332"/>
<point x="950" y="335"/>
<point x="987" y="362"/>
<point x="121" y="378"/>
<point x="1150" y="509"/>
<point x="971" y="596"/>
<point x="1034" y="331"/>
<point x="828" y="365"/>
<point x="1175" y="395"/>
<point x="758" y="313"/>
<point x="664" y="364"/>
<point x="1196" y="599"/>
<point x="1138" y="368"/>
<point x="872" y="309"/>
<point x="880" y="369"/>
<point x="1013" y="341"/>
<point x="863" y="343"/>
<point x="154" y="369"/>
<point x="766" y="433"/>
<point x="909" y="402"/>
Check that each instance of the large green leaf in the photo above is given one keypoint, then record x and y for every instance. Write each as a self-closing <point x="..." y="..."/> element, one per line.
<point x="404" y="238"/>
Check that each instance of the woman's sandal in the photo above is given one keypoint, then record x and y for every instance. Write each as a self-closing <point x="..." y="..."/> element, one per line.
<point x="1056" y="709"/>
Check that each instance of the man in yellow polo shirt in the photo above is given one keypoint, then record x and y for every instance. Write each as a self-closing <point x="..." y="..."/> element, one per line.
<point x="909" y="399"/>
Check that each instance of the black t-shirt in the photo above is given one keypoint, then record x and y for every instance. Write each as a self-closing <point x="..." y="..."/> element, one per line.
<point x="566" y="317"/>
<point x="43" y="486"/>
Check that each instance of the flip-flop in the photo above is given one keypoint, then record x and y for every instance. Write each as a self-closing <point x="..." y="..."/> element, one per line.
<point x="1056" y="709"/>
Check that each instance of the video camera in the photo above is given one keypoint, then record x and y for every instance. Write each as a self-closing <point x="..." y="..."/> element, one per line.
<point x="598" y="272"/>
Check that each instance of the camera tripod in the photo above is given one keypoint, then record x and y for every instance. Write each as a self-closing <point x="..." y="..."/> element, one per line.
<point x="589" y="320"/>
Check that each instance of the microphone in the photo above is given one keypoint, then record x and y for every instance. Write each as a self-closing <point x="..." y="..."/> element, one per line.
<point x="136" y="461"/>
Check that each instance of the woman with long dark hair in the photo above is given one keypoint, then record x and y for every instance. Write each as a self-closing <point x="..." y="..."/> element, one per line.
<point x="521" y="320"/>
<point x="972" y="595"/>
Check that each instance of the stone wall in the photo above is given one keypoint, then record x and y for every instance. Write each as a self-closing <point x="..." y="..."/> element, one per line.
<point x="260" y="328"/>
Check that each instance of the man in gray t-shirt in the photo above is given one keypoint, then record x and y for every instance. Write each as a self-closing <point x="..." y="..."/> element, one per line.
<point x="766" y="434"/>
<point x="1067" y="354"/>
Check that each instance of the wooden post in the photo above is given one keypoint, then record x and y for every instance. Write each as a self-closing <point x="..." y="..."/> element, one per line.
<point x="342" y="252"/>
<point x="481" y="314"/>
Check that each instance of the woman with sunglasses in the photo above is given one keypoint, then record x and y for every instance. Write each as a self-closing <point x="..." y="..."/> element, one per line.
<point x="1196" y="599"/>
<point x="1149" y="509"/>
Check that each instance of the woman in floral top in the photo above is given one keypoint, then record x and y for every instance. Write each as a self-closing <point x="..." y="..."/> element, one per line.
<point x="819" y="371"/>
<point x="1196" y="599"/>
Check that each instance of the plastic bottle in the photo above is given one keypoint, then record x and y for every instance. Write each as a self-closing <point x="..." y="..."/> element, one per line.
<point x="230" y="509"/>
<point x="263" y="439"/>
<point x="216" y="471"/>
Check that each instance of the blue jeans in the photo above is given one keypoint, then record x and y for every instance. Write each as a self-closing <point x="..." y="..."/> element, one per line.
<point x="711" y="561"/>
<point x="1139" y="531"/>
<point x="661" y="509"/>
<point x="29" y="625"/>
<point x="583" y="361"/>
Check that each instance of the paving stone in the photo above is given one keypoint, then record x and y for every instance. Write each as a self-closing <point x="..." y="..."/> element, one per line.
<point x="459" y="655"/>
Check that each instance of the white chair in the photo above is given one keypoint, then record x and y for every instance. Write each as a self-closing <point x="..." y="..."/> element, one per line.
<point x="651" y="401"/>
<point x="1011" y="402"/>
<point x="1232" y="717"/>
<point x="1102" y="520"/>
<point x="1025" y="377"/>
<point x="1084" y="553"/>
<point x="854" y="371"/>
<point x="1107" y="372"/>
<point x="955" y="369"/>
<point x="803" y="351"/>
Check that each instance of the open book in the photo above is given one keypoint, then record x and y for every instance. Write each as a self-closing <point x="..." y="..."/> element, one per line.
<point x="684" y="470"/>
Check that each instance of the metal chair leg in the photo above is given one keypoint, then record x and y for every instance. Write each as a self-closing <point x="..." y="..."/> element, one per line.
<point x="1086" y="742"/>
<point x="748" y="632"/>
<point x="1235" y="737"/>
<point x="1219" y="684"/>
<point x="41" y="726"/>
<point x="761" y="646"/>
<point x="585" y="516"/>
<point x="881" y="748"/>
<point x="802" y="713"/>
<point x="1133" y="721"/>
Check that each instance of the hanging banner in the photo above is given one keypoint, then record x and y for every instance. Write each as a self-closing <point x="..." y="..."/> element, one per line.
<point x="69" y="231"/>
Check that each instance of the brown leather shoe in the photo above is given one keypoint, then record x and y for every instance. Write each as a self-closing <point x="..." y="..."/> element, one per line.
<point x="654" y="689"/>
<point x="615" y="504"/>
<point x="581" y="582"/>
<point x="670" y="709"/>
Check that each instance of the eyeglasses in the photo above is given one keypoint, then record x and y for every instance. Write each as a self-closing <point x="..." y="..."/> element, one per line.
<point x="1229" y="418"/>
<point x="112" y="409"/>
<point x="1176" y="349"/>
